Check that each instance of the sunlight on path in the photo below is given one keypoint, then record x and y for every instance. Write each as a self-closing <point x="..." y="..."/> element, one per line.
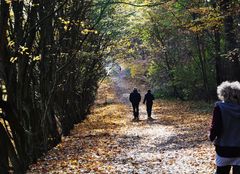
<point x="108" y="141"/>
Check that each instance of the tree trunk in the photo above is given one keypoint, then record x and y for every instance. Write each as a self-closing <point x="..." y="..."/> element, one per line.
<point x="218" y="59"/>
<point x="233" y="69"/>
<point x="203" y="66"/>
<point x="4" y="162"/>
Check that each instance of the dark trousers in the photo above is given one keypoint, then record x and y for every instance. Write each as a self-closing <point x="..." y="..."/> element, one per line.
<point x="149" y="109"/>
<point x="226" y="170"/>
<point x="135" y="110"/>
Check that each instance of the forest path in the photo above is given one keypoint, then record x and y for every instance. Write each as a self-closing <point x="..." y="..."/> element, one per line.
<point x="108" y="141"/>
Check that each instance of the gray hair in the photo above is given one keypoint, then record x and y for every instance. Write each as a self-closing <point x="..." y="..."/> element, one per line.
<point x="229" y="92"/>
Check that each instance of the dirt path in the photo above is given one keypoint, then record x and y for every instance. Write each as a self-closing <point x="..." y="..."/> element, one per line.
<point x="109" y="142"/>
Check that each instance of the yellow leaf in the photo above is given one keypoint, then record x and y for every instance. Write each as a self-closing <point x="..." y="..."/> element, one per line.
<point x="82" y="24"/>
<point x="11" y="43"/>
<point x="35" y="5"/>
<point x="8" y="1"/>
<point x="84" y="32"/>
<point x="13" y="59"/>
<point x="23" y="49"/>
<point x="37" y="58"/>
<point x="11" y="13"/>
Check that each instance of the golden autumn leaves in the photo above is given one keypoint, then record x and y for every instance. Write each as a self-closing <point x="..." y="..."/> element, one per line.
<point x="67" y="25"/>
<point x="22" y="51"/>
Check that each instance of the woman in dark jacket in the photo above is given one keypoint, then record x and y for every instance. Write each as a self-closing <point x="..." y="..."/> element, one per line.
<point x="225" y="128"/>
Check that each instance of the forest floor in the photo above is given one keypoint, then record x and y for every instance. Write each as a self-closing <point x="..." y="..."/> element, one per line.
<point x="108" y="141"/>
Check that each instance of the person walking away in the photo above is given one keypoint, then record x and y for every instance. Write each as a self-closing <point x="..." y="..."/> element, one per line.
<point x="135" y="99"/>
<point x="225" y="128"/>
<point x="148" y="99"/>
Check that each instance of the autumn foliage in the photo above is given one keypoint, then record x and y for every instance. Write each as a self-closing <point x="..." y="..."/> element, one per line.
<point x="55" y="54"/>
<point x="109" y="142"/>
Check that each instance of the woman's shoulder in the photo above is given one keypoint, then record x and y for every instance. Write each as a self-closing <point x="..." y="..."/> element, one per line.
<point x="218" y="103"/>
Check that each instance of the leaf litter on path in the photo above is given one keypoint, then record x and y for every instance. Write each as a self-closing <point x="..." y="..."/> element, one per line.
<point x="108" y="141"/>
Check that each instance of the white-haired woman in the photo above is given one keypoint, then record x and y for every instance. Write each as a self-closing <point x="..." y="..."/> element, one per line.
<point x="225" y="128"/>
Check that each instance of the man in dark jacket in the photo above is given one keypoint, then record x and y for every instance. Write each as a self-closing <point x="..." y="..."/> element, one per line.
<point x="135" y="99"/>
<point x="148" y="99"/>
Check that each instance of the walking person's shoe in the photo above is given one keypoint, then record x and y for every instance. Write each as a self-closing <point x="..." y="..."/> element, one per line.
<point x="150" y="118"/>
<point x="135" y="119"/>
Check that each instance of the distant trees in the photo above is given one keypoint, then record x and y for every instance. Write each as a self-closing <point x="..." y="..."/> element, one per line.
<point x="189" y="46"/>
<point x="198" y="45"/>
<point x="230" y="12"/>
<point x="51" y="60"/>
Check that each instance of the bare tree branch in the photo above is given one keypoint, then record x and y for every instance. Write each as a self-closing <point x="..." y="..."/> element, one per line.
<point x="135" y="5"/>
